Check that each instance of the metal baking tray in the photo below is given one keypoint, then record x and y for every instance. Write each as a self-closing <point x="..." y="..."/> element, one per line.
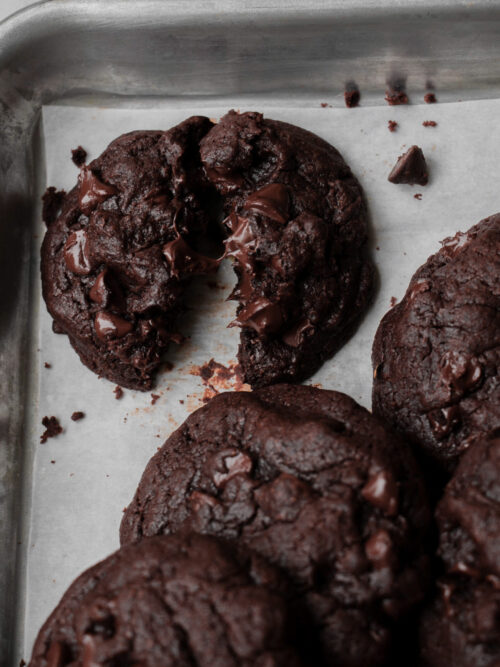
<point x="123" y="53"/>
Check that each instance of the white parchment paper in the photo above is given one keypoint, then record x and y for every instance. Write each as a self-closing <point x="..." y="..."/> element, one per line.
<point x="83" y="479"/>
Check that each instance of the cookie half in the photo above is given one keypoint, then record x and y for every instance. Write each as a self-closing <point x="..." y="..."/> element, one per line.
<point x="115" y="260"/>
<point x="298" y="229"/>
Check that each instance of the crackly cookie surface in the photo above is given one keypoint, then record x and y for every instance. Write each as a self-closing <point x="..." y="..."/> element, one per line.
<point x="436" y="355"/>
<point x="315" y="484"/>
<point x="171" y="602"/>
<point x="461" y="627"/>
<point x="116" y="258"/>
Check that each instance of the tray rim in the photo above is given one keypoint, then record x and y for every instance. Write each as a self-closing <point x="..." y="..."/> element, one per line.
<point x="47" y="16"/>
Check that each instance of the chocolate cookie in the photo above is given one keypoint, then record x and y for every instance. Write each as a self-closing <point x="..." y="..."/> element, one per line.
<point x="128" y="236"/>
<point x="436" y="355"/>
<point x="462" y="626"/>
<point x="468" y="515"/>
<point x="114" y="260"/>
<point x="170" y="601"/>
<point x="314" y="483"/>
<point x="298" y="244"/>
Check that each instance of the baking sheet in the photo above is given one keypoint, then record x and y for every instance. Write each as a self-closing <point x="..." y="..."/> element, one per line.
<point x="83" y="479"/>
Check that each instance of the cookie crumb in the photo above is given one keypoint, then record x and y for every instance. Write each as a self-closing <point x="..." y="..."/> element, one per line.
<point x="118" y="392"/>
<point x="53" y="461"/>
<point x="430" y="98"/>
<point x="154" y="398"/>
<point x="181" y="401"/>
<point x="77" y="415"/>
<point x="47" y="365"/>
<point x="56" y="329"/>
<point x="392" y="125"/>
<point x="324" y="105"/>
<point x="352" y="96"/>
<point x="52" y="428"/>
<point x="418" y="196"/>
<point x="51" y="204"/>
<point x="79" y="156"/>
<point x="395" y="97"/>
<point x="393" y="301"/>
<point x="429" y="123"/>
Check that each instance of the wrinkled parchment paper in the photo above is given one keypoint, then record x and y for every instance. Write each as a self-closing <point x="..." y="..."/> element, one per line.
<point x="84" y="478"/>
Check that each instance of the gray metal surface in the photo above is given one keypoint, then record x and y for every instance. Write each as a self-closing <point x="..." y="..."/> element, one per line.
<point x="128" y="52"/>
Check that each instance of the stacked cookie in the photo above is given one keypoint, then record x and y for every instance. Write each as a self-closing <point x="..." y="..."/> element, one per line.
<point x="302" y="479"/>
<point x="315" y="484"/>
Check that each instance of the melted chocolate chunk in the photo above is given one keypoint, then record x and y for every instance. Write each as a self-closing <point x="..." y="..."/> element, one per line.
<point x="410" y="168"/>
<point x="92" y="191"/>
<point x="381" y="491"/>
<point x="460" y="371"/>
<point x="100" y="291"/>
<point x="229" y="464"/>
<point x="241" y="244"/>
<point x="262" y="315"/>
<point x="296" y="335"/>
<point x="76" y="253"/>
<point x="108" y="325"/>
<point x="378" y="549"/>
<point x="183" y="261"/>
<point x="271" y="201"/>
<point x="444" y="420"/>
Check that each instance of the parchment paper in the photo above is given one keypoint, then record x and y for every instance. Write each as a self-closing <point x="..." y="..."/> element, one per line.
<point x="83" y="479"/>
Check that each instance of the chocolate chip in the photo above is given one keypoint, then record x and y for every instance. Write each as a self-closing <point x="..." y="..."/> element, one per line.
<point x="76" y="253"/>
<point x="108" y="325"/>
<point x="92" y="191"/>
<point x="410" y="168"/>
